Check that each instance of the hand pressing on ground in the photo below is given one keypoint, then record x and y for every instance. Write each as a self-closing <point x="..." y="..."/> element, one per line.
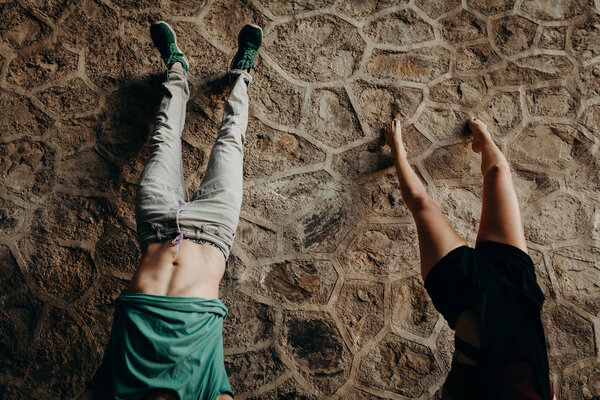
<point x="393" y="138"/>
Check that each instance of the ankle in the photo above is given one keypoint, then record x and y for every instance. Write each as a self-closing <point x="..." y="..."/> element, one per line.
<point x="398" y="151"/>
<point x="176" y="65"/>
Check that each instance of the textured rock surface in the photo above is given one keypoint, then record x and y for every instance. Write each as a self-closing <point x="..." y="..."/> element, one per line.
<point x="323" y="288"/>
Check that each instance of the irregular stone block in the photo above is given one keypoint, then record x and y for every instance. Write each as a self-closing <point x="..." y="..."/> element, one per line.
<point x="435" y="9"/>
<point x="186" y="8"/>
<point x="382" y="197"/>
<point x="27" y="167"/>
<point x="290" y="389"/>
<point x="587" y="83"/>
<point x="219" y="20"/>
<point x="50" y="8"/>
<point x="319" y="48"/>
<point x="382" y="250"/>
<point x="377" y="104"/>
<point x="136" y="44"/>
<point x="385" y="29"/>
<point x="490" y="7"/>
<point x="557" y="147"/>
<point x="67" y="217"/>
<point x="553" y="37"/>
<point x="576" y="270"/>
<point x="18" y="116"/>
<point x="570" y="339"/>
<point x="363" y="160"/>
<point x="41" y="66"/>
<point x="274" y="98"/>
<point x="363" y="9"/>
<point x="462" y="27"/>
<point x="65" y="273"/>
<point x="399" y="366"/>
<point x="412" y="309"/>
<point x="73" y="134"/>
<point x="269" y="151"/>
<point x="502" y="112"/>
<point x="332" y="119"/>
<point x="248" y="323"/>
<point x="456" y="161"/>
<point x="555" y="10"/>
<point x="72" y="98"/>
<point x="513" y="34"/>
<point x="87" y="170"/>
<point x="137" y="4"/>
<point x="360" y="307"/>
<point x="560" y="217"/>
<point x="282" y="7"/>
<point x="118" y="250"/>
<point x="19" y="317"/>
<point x="532" y="69"/>
<point x="86" y="26"/>
<point x="253" y="369"/>
<point x="63" y="344"/>
<point x="12" y="218"/>
<point x="531" y="185"/>
<point x="126" y="120"/>
<point x="297" y="281"/>
<point x="551" y="101"/>
<point x="255" y="240"/>
<point x="464" y="91"/>
<point x="19" y="29"/>
<point x="461" y="205"/>
<point x="315" y="345"/>
<point x="284" y="198"/>
<point x="583" y="383"/>
<point x="475" y="57"/>
<point x="591" y="119"/>
<point x="206" y="62"/>
<point x="420" y="65"/>
<point x="322" y="229"/>
<point x="585" y="38"/>
<point x="442" y="123"/>
<point x="358" y="394"/>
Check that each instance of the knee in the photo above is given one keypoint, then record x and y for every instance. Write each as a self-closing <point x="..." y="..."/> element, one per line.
<point x="500" y="168"/>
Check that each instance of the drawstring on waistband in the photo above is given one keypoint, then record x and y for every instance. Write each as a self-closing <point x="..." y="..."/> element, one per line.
<point x="175" y="242"/>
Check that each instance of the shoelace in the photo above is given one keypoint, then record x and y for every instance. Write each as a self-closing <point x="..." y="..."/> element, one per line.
<point x="247" y="60"/>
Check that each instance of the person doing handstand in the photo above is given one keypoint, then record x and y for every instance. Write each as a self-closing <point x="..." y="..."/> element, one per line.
<point x="488" y="294"/>
<point x="166" y="339"/>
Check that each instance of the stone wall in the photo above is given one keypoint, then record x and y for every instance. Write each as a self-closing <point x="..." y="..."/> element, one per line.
<point x="322" y="287"/>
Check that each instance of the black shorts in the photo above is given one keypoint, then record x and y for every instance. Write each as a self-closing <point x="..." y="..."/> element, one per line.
<point x="464" y="275"/>
<point x="497" y="281"/>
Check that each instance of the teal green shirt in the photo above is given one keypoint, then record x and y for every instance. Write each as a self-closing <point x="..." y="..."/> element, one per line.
<point x="164" y="342"/>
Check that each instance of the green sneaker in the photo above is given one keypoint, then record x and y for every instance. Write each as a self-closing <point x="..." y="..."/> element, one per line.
<point x="165" y="41"/>
<point x="249" y="40"/>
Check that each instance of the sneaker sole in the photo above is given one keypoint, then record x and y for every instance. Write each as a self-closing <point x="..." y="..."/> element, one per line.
<point x="174" y="36"/>
<point x="254" y="26"/>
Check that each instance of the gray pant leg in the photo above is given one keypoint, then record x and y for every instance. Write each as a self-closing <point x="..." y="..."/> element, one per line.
<point x="214" y="210"/>
<point x="161" y="190"/>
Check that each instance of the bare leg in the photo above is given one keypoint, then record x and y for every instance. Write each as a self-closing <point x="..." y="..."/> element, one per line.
<point x="436" y="237"/>
<point x="500" y="216"/>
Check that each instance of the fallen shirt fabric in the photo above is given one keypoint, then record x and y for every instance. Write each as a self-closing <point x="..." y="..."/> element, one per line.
<point x="164" y="342"/>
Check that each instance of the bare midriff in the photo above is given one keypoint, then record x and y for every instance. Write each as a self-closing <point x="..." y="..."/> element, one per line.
<point x="188" y="269"/>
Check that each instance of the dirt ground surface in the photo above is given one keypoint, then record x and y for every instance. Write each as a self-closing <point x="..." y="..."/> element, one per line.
<point x="324" y="296"/>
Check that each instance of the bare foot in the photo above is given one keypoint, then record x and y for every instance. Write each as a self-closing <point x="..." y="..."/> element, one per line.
<point x="480" y="133"/>
<point x="393" y="137"/>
